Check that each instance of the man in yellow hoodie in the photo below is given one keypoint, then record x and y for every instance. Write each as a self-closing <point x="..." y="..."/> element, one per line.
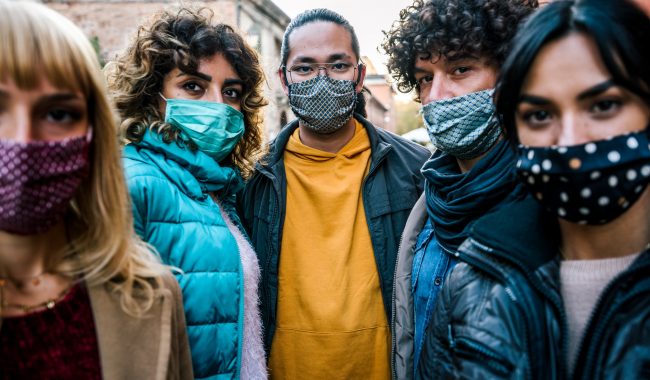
<point x="325" y="212"/>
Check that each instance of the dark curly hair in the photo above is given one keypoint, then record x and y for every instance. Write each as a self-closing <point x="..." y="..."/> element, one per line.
<point x="180" y="39"/>
<point x="451" y="28"/>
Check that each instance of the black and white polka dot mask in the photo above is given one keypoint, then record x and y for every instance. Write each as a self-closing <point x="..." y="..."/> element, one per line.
<point x="592" y="183"/>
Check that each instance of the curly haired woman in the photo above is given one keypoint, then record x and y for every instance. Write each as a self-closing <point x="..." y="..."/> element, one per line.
<point x="450" y="53"/>
<point x="189" y="96"/>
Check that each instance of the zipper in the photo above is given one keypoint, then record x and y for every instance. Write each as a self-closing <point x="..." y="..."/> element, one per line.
<point x="267" y="294"/>
<point x="371" y="172"/>
<point x="468" y="347"/>
<point x="393" y="346"/>
<point x="597" y="325"/>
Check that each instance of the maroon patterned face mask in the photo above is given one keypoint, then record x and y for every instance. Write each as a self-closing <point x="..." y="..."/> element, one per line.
<point x="37" y="181"/>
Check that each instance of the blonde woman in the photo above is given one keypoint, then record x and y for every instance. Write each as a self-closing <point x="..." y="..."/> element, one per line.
<point x="80" y="295"/>
<point x="189" y="95"/>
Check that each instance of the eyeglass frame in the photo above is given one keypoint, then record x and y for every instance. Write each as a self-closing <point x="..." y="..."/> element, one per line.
<point x="319" y="68"/>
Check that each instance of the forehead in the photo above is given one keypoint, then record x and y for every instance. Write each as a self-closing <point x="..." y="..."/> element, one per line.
<point x="217" y="65"/>
<point x="565" y="66"/>
<point x="434" y="60"/>
<point x="39" y="85"/>
<point x="318" y="41"/>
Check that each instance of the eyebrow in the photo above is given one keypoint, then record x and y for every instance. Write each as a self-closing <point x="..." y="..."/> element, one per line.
<point x="231" y="81"/>
<point x="331" y="58"/>
<point x="534" y="100"/>
<point x="588" y="93"/>
<point x="57" y="97"/>
<point x="60" y="97"/>
<point x="462" y="57"/>
<point x="205" y="77"/>
<point x="596" y="90"/>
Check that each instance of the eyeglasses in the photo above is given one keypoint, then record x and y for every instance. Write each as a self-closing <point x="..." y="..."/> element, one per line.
<point x="301" y="72"/>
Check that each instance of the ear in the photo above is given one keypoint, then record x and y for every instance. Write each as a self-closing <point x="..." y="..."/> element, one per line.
<point x="360" y="77"/>
<point x="283" y="81"/>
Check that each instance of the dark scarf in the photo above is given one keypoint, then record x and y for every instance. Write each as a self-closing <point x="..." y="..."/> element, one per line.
<point x="455" y="200"/>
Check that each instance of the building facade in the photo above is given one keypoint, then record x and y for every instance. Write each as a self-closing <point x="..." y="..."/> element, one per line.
<point x="380" y="103"/>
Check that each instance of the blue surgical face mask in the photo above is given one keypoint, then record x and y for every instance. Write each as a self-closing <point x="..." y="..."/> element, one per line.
<point x="465" y="126"/>
<point x="214" y="127"/>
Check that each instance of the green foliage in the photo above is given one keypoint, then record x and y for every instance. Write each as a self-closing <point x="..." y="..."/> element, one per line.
<point x="94" y="40"/>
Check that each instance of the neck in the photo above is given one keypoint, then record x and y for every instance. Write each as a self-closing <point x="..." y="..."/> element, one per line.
<point x="26" y="256"/>
<point x="332" y="142"/>
<point x="625" y="235"/>
<point x="467" y="165"/>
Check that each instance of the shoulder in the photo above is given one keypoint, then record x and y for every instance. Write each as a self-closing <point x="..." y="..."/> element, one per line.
<point x="402" y="145"/>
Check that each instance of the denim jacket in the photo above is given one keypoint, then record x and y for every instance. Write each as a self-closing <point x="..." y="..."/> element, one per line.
<point x="421" y="268"/>
<point x="431" y="264"/>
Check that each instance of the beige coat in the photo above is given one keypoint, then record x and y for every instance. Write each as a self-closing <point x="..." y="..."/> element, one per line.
<point x="153" y="347"/>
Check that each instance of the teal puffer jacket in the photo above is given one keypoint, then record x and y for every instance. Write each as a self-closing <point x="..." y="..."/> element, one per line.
<point x="174" y="212"/>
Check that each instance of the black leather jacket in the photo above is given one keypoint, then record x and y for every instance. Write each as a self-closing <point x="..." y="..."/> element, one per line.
<point x="500" y="314"/>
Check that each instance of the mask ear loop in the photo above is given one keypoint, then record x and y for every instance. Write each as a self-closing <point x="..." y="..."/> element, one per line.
<point x="284" y="71"/>
<point x="359" y="66"/>
<point x="89" y="134"/>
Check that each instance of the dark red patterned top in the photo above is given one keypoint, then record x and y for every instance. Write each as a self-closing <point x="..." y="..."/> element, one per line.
<point x="59" y="343"/>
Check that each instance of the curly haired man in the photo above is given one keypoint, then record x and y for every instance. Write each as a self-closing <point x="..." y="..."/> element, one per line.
<point x="449" y="52"/>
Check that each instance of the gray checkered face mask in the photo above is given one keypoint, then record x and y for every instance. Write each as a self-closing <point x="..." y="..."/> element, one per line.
<point x="323" y="104"/>
<point x="465" y="126"/>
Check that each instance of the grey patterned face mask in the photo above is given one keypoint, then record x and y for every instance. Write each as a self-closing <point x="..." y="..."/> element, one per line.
<point x="465" y="126"/>
<point x="323" y="104"/>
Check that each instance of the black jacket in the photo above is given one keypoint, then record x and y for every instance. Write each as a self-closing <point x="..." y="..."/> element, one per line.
<point x="390" y="190"/>
<point x="500" y="314"/>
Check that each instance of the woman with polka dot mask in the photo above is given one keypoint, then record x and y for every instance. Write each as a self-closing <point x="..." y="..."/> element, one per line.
<point x="557" y="285"/>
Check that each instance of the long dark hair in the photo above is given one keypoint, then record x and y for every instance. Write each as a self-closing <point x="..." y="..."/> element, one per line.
<point x="620" y="30"/>
<point x="325" y="15"/>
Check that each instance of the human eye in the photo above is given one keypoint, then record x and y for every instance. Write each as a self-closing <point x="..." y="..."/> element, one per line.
<point x="424" y="80"/>
<point x="232" y="93"/>
<point x="302" y="69"/>
<point x="605" y="107"/>
<point x="62" y="115"/>
<point x="460" y="70"/>
<point x="537" y="117"/>
<point x="340" y="66"/>
<point x="193" y="87"/>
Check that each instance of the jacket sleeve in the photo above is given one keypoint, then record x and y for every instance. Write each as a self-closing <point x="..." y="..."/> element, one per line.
<point x="403" y="309"/>
<point x="148" y="193"/>
<point x="181" y="361"/>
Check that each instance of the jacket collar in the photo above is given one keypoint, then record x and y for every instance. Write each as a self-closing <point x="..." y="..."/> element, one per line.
<point x="521" y="231"/>
<point x="198" y="173"/>
<point x="378" y="146"/>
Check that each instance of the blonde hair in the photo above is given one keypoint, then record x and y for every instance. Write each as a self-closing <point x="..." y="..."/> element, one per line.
<point x="35" y="41"/>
